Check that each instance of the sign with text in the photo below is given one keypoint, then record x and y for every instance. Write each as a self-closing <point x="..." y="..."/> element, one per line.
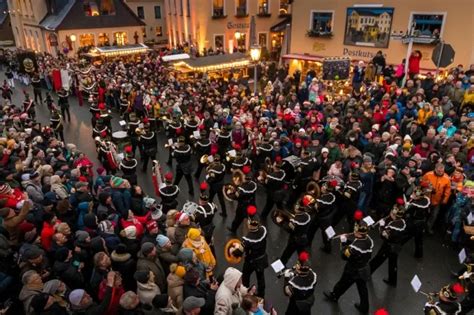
<point x="237" y="26"/>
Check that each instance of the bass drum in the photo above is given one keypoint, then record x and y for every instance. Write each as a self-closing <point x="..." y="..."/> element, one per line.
<point x="290" y="166"/>
<point x="121" y="140"/>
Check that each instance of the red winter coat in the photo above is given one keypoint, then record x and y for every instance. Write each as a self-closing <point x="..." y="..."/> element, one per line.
<point x="414" y="64"/>
<point x="112" y="309"/>
<point x="47" y="233"/>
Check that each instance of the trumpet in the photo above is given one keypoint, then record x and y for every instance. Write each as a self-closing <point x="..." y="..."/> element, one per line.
<point x="230" y="190"/>
<point x="204" y="159"/>
<point x="140" y="131"/>
<point x="262" y="174"/>
<point x="172" y="146"/>
<point x="282" y="219"/>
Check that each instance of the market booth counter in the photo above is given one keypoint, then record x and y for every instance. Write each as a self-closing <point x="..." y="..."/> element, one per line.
<point x="217" y="66"/>
<point x="99" y="54"/>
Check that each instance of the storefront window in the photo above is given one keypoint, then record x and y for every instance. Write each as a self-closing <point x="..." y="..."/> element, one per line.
<point x="241" y="7"/>
<point x="241" y="40"/>
<point x="86" y="40"/>
<point x="158" y="31"/>
<point x="284" y="7"/>
<point x="262" y="39"/>
<point x="428" y="24"/>
<point x="104" y="39"/>
<point x="218" y="8"/>
<point x="120" y="39"/>
<point x="218" y="42"/>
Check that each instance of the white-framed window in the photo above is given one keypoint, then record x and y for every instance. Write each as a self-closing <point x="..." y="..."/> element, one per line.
<point x="241" y="8"/>
<point x="219" y="42"/>
<point x="321" y="21"/>
<point x="263" y="7"/>
<point x="430" y="24"/>
<point x="218" y="8"/>
<point x="262" y="38"/>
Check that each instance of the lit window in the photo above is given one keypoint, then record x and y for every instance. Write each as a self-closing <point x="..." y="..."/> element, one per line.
<point x="263" y="7"/>
<point x="262" y="39"/>
<point x="217" y="8"/>
<point x="103" y="39"/>
<point x="284" y="7"/>
<point x="120" y="39"/>
<point x="158" y="31"/>
<point x="218" y="42"/>
<point x="86" y="40"/>
<point x="97" y="8"/>
<point x="241" y="7"/>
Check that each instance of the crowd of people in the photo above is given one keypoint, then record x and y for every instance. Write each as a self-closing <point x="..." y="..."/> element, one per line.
<point x="84" y="239"/>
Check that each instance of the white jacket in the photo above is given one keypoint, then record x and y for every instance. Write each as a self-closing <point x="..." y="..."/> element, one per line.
<point x="227" y="295"/>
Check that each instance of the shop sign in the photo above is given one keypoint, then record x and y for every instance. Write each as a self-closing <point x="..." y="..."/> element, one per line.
<point x="317" y="46"/>
<point x="237" y="26"/>
<point x="359" y="53"/>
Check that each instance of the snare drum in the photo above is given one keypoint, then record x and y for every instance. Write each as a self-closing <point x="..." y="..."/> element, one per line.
<point x="290" y="166"/>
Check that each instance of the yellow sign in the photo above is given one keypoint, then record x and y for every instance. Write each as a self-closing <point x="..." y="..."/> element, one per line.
<point x="318" y="46"/>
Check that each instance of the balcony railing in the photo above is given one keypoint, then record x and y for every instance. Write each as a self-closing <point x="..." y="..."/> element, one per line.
<point x="264" y="11"/>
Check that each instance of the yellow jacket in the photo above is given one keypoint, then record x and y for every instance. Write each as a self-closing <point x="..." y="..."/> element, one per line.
<point x="468" y="98"/>
<point x="423" y="116"/>
<point x="202" y="251"/>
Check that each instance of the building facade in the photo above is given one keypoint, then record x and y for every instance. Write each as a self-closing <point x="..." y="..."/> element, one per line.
<point x="224" y="24"/>
<point x="6" y="31"/>
<point x="152" y="13"/>
<point x="358" y="29"/>
<point x="65" y="26"/>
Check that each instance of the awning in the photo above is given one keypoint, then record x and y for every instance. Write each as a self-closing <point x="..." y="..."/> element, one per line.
<point x="175" y="57"/>
<point x="113" y="51"/>
<point x="303" y="57"/>
<point x="213" y="63"/>
<point x="280" y="26"/>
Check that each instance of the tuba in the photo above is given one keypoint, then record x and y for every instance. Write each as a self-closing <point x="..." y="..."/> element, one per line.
<point x="204" y="159"/>
<point x="230" y="190"/>
<point x="233" y="251"/>
<point x="282" y="219"/>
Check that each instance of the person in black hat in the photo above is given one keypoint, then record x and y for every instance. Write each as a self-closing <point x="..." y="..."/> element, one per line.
<point x="195" y="288"/>
<point x="169" y="193"/>
<point x="34" y="259"/>
<point x="255" y="251"/>
<point x="69" y="269"/>
<point x="182" y="154"/>
<point x="299" y="286"/>
<point x="57" y="124"/>
<point x="63" y="103"/>
<point x="275" y="188"/>
<point x="393" y="232"/>
<point x="356" y="250"/>
<point x="245" y="195"/>
<point x="128" y="166"/>
<point x="45" y="304"/>
<point x="347" y="198"/>
<point x="215" y="174"/>
<point x="173" y="130"/>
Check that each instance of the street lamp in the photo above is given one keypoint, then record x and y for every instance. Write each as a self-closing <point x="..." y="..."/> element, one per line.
<point x="255" y="52"/>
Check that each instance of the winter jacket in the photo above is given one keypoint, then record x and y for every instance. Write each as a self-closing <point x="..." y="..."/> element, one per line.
<point x="69" y="274"/>
<point x="95" y="309"/>
<point x="126" y="265"/>
<point x="147" y="291"/>
<point x="26" y="296"/>
<point x="202" y="290"/>
<point x="227" y="294"/>
<point x="11" y="223"/>
<point x="58" y="188"/>
<point x="47" y="233"/>
<point x="441" y="187"/>
<point x="153" y="265"/>
<point x="202" y="251"/>
<point x="34" y="191"/>
<point x="175" y="289"/>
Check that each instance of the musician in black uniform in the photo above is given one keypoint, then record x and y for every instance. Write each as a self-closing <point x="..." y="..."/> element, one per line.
<point x="205" y="214"/>
<point x="308" y="166"/>
<point x="104" y="151"/>
<point x="274" y="186"/>
<point x="264" y="151"/>
<point x="173" y="131"/>
<point x="240" y="160"/>
<point x="190" y="125"/>
<point x="393" y="231"/>
<point x="245" y="196"/>
<point x="128" y="166"/>
<point x="148" y="144"/>
<point x="467" y="303"/>
<point x="95" y="112"/>
<point x="298" y="238"/>
<point x="100" y="129"/>
<point x="36" y="83"/>
<point x="169" y="193"/>
<point x="57" y="124"/>
<point x="133" y="125"/>
<point x="29" y="106"/>
<point x="325" y="209"/>
<point x="215" y="174"/>
<point x="356" y="249"/>
<point x="201" y="147"/>
<point x="63" y="102"/>
<point x="255" y="251"/>
<point x="347" y="198"/>
<point x="299" y="286"/>
<point x="417" y="212"/>
<point x="182" y="154"/>
<point x="223" y="140"/>
<point x="447" y="301"/>
<point x="123" y="110"/>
